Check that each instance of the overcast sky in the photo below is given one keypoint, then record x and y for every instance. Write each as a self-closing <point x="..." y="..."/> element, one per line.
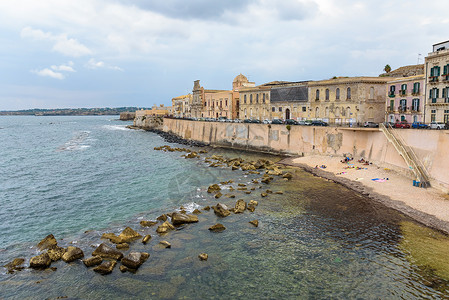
<point x="98" y="53"/>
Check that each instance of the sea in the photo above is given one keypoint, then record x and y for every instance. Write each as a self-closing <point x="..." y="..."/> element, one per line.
<point x="77" y="177"/>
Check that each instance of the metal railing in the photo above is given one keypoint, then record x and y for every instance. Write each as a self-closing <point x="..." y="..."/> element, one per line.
<point x="407" y="153"/>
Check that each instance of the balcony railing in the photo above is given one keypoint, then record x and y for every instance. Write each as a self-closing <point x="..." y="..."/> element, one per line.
<point x="415" y="109"/>
<point x="415" y="92"/>
<point x="402" y="109"/>
<point x="433" y="79"/>
<point x="402" y="92"/>
<point x="391" y="94"/>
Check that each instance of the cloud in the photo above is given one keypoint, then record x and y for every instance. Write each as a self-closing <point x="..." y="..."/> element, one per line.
<point x="93" y="64"/>
<point x="66" y="68"/>
<point x="49" y="73"/>
<point x="62" y="44"/>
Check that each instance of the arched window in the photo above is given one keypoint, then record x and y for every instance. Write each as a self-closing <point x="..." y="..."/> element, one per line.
<point x="371" y="114"/>
<point x="327" y="94"/>
<point x="371" y="93"/>
<point x="317" y="95"/>
<point x="263" y="98"/>
<point x="245" y="112"/>
<point x="257" y="98"/>
<point x="317" y="112"/>
<point x="251" y="99"/>
<point x="251" y="112"/>
<point x="348" y="93"/>
<point x="337" y="94"/>
<point x="348" y="112"/>
<point x="244" y="101"/>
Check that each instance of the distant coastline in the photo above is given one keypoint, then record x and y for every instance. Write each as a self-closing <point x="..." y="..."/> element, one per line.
<point x="71" y="111"/>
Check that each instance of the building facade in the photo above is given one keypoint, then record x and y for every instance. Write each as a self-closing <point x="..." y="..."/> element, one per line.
<point x="348" y="100"/>
<point x="437" y="84"/>
<point x="405" y="99"/>
<point x="181" y="105"/>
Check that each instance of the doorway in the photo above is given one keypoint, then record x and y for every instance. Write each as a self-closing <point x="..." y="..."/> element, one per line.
<point x="287" y="113"/>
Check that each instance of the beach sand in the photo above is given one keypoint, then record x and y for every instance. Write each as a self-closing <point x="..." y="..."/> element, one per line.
<point x="429" y="206"/>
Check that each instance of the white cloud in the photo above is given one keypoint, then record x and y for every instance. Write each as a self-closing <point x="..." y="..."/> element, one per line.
<point x="66" y="68"/>
<point x="93" y="64"/>
<point x="62" y="44"/>
<point x="49" y="73"/>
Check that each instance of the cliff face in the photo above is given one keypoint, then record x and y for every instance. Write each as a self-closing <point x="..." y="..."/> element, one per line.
<point x="127" y="116"/>
<point x="149" y="122"/>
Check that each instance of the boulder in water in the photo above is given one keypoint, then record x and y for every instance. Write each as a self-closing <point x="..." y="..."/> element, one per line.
<point x="288" y="176"/>
<point x="165" y="244"/>
<point x="15" y="265"/>
<point x="72" y="253"/>
<point x="92" y="261"/>
<point x="240" y="206"/>
<point x="47" y="243"/>
<point x="112" y="237"/>
<point x="124" y="246"/>
<point x="165" y="227"/>
<point x="218" y="195"/>
<point x="56" y="253"/>
<point x="221" y="210"/>
<point x="106" y="251"/>
<point x="106" y="267"/>
<point x="135" y="259"/>
<point x="217" y="227"/>
<point x="147" y="223"/>
<point x="162" y="218"/>
<point x="213" y="188"/>
<point x="129" y="235"/>
<point x="146" y="239"/>
<point x="179" y="219"/>
<point x="255" y="223"/>
<point x="41" y="261"/>
<point x="203" y="256"/>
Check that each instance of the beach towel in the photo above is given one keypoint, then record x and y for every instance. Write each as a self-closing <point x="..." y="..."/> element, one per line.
<point x="379" y="179"/>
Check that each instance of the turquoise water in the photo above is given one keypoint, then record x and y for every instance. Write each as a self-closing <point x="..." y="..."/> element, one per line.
<point x="78" y="177"/>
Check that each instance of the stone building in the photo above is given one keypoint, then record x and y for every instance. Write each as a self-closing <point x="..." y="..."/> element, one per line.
<point x="181" y="105"/>
<point x="405" y="99"/>
<point x="437" y="84"/>
<point x="348" y="100"/>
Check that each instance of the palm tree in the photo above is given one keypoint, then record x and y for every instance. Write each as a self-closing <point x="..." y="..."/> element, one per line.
<point x="387" y="69"/>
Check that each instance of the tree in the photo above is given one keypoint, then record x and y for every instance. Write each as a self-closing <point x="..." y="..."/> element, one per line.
<point x="387" y="69"/>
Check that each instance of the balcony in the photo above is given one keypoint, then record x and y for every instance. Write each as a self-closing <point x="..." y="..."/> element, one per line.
<point x="391" y="94"/>
<point x="415" y="92"/>
<point x="445" y="77"/>
<point x="402" y="92"/>
<point x="402" y="109"/>
<point x="415" y="109"/>
<point x="433" y="79"/>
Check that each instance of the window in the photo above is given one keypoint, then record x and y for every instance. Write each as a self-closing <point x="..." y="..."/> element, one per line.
<point x="434" y="94"/>
<point x="348" y="93"/>
<point x="337" y="112"/>
<point x="273" y="109"/>
<point x="226" y="102"/>
<point x="391" y="105"/>
<point x="304" y="108"/>
<point x="257" y="98"/>
<point x="327" y="94"/>
<point x="221" y="102"/>
<point x="416" y="88"/>
<point x="280" y="109"/>
<point x="435" y="71"/>
<point x="245" y="112"/>
<point x="445" y="94"/>
<point x="402" y="105"/>
<point x="326" y="112"/>
<point x="244" y="101"/>
<point x="337" y="94"/>
<point x="251" y="99"/>
<point x="263" y="98"/>
<point x="205" y="103"/>
<point x="446" y="70"/>
<point x="317" y="97"/>
<point x="433" y="115"/>
<point x="404" y="87"/>
<point x="251" y="112"/>
<point x="371" y="93"/>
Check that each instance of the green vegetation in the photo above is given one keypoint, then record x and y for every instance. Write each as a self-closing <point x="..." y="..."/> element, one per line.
<point x="387" y="69"/>
<point x="289" y="127"/>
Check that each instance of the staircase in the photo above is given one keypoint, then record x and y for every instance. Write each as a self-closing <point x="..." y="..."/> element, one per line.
<point x="407" y="153"/>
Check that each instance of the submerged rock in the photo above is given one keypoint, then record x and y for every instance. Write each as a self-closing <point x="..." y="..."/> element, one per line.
<point x="162" y="218"/>
<point x="124" y="246"/>
<point x="196" y="211"/>
<point x="179" y="219"/>
<point x="47" y="243"/>
<point x="263" y="194"/>
<point x="252" y="205"/>
<point x="106" y="251"/>
<point x="279" y="192"/>
<point x="147" y="223"/>
<point x="106" y="267"/>
<point x="203" y="256"/>
<point x="92" y="261"/>
<point x="72" y="253"/>
<point x="112" y="237"/>
<point x="240" y="206"/>
<point x="41" y="261"/>
<point x="255" y="223"/>
<point x="288" y="176"/>
<point x="165" y="244"/>
<point x="217" y="227"/>
<point x="56" y="253"/>
<point x="218" y="195"/>
<point x="165" y="227"/>
<point x="213" y="188"/>
<point x="129" y="235"/>
<point x="15" y="265"/>
<point x="206" y="208"/>
<point x="221" y="210"/>
<point x="135" y="259"/>
<point x="146" y="239"/>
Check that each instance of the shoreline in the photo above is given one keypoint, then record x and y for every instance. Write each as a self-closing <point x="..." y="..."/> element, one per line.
<point x="377" y="195"/>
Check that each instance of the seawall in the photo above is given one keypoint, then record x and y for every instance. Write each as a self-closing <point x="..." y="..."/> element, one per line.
<point x="370" y="143"/>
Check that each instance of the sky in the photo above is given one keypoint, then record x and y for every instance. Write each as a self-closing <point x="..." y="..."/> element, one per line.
<point x="111" y="53"/>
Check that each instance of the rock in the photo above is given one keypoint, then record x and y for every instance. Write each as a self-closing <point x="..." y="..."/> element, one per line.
<point x="41" y="261"/>
<point x="165" y="244"/>
<point x="275" y="172"/>
<point x="191" y="155"/>
<point x="146" y="239"/>
<point x="248" y="192"/>
<point x="92" y="261"/>
<point x="213" y="188"/>
<point x="253" y="202"/>
<point x="72" y="253"/>
<point x="279" y="192"/>
<point x="240" y="206"/>
<point x="288" y="176"/>
<point x="129" y="235"/>
<point x="124" y="269"/>
<point x="47" y="243"/>
<point x="266" y="180"/>
<point x="218" y="195"/>
<point x="15" y="265"/>
<point x="112" y="237"/>
<point x="162" y="218"/>
<point x="106" y="251"/>
<point x="269" y="191"/>
<point x="135" y="259"/>
<point x="255" y="223"/>
<point x="196" y="211"/>
<point x="221" y="210"/>
<point x="207" y="208"/>
<point x="234" y="167"/>
<point x="217" y="227"/>
<point x="179" y="219"/>
<point x="252" y="205"/>
<point x="147" y="223"/>
<point x="106" y="267"/>
<point x="242" y="188"/>
<point x="264" y="194"/>
<point x="241" y="184"/>
<point x="255" y="181"/>
<point x="56" y="253"/>
<point x="203" y="256"/>
<point x="165" y="227"/>
<point x="124" y="246"/>
<point x="231" y="189"/>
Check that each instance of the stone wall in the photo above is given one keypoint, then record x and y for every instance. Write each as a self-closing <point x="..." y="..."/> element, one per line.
<point x="369" y="143"/>
<point x="127" y="116"/>
<point x="148" y="122"/>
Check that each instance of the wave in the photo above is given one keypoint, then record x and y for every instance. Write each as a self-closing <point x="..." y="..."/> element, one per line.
<point x="115" y="127"/>
<point x="78" y="142"/>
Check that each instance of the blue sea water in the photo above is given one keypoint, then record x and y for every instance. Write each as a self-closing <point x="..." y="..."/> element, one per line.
<point x="78" y="177"/>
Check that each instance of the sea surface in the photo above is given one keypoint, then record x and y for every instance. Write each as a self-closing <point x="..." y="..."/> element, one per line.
<point x="79" y="177"/>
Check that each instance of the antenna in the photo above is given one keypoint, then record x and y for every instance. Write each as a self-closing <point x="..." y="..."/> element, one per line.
<point x="419" y="57"/>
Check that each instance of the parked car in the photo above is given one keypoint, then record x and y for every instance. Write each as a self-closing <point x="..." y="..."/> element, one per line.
<point x="291" y="122"/>
<point x="419" y="125"/>
<point x="402" y="124"/>
<point x="308" y="122"/>
<point x="277" y="121"/>
<point x="319" y="123"/>
<point x="371" y="125"/>
<point x="266" y="121"/>
<point x="437" y="125"/>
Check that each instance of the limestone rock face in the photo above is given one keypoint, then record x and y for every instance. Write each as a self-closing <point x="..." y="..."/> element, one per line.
<point x="92" y="261"/>
<point x="106" y="267"/>
<point x="213" y="188"/>
<point x="255" y="223"/>
<point x="203" y="256"/>
<point x="165" y="244"/>
<point x="15" y="265"/>
<point x="146" y="239"/>
<point x="221" y="210"/>
<point x="275" y="172"/>
<point x="135" y="259"/>
<point x="56" y="253"/>
<point x="217" y="227"/>
<point x="179" y="219"/>
<point x="41" y="261"/>
<point x="106" y="251"/>
<point x="47" y="243"/>
<point x="147" y="223"/>
<point x="240" y="206"/>
<point x="129" y="235"/>
<point x="72" y="253"/>
<point x="165" y="227"/>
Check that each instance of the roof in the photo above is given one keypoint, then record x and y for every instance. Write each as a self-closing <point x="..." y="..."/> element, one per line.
<point x="296" y="93"/>
<point x="241" y="78"/>
<point x="349" y="80"/>
<point x="409" y="78"/>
